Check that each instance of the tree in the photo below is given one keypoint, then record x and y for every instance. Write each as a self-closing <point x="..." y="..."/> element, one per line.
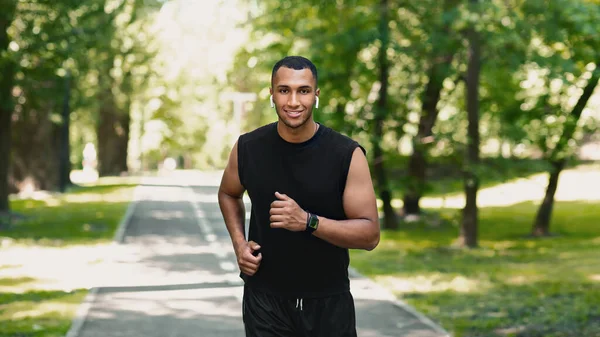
<point x="49" y="55"/>
<point x="390" y="220"/>
<point x="563" y="60"/>
<point x="7" y="70"/>
<point x="120" y="48"/>
<point x="443" y="49"/>
<point x="468" y="232"/>
<point x="558" y="157"/>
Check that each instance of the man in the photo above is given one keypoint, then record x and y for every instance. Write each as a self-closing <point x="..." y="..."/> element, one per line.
<point x="312" y="200"/>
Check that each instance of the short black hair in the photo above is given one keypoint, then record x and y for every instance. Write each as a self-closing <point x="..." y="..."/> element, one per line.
<point x="296" y="63"/>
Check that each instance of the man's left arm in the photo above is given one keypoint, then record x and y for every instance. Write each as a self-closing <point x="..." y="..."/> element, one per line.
<point x="361" y="230"/>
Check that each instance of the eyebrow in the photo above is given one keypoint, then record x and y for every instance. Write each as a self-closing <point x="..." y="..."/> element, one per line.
<point x="287" y="86"/>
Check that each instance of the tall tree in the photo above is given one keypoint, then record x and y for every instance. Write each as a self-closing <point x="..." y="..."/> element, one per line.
<point x="7" y="71"/>
<point x="443" y="48"/>
<point x="562" y="56"/>
<point x="50" y="45"/>
<point x="468" y="231"/>
<point x="390" y="220"/>
<point x="558" y="158"/>
<point x="118" y="45"/>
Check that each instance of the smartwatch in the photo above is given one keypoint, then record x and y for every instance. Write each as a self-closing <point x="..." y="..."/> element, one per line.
<point x="312" y="222"/>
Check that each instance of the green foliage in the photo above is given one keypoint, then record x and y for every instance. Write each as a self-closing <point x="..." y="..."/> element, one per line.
<point x="510" y="286"/>
<point x="560" y="50"/>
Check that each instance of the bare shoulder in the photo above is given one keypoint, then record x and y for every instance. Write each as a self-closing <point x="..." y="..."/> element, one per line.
<point x="359" y="166"/>
<point x="359" y="195"/>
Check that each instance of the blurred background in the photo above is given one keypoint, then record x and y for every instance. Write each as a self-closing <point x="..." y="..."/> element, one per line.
<point x="480" y="118"/>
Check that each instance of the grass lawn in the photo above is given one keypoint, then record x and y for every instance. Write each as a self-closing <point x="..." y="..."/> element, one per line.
<point x="511" y="286"/>
<point x="87" y="215"/>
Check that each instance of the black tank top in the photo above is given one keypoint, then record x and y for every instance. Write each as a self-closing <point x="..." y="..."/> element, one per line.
<point x="313" y="173"/>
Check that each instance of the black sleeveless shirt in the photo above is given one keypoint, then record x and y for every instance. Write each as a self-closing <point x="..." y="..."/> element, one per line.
<point x="313" y="173"/>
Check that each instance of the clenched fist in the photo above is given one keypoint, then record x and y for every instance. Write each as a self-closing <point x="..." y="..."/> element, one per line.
<point x="285" y="213"/>
<point x="247" y="262"/>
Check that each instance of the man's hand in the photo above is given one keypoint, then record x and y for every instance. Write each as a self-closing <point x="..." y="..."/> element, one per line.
<point x="285" y="213"/>
<point x="247" y="262"/>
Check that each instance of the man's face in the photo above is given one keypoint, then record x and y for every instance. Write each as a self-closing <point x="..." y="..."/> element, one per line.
<point x="294" y="94"/>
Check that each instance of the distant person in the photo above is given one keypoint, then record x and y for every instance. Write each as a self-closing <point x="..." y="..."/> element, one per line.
<point x="312" y="199"/>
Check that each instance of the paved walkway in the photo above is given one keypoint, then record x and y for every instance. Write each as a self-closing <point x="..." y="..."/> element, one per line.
<point x="177" y="275"/>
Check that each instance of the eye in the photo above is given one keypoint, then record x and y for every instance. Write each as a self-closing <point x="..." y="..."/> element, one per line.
<point x="304" y="91"/>
<point x="283" y="91"/>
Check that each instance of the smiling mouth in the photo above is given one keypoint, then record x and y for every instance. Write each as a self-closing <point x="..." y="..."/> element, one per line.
<point x="294" y="114"/>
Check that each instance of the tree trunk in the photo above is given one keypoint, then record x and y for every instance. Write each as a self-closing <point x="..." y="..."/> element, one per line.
<point x="125" y="119"/>
<point x="544" y="213"/>
<point x="468" y="233"/>
<point x="35" y="144"/>
<point x="390" y="220"/>
<point x="64" y="172"/>
<point x="417" y="164"/>
<point x="7" y="71"/>
<point x="541" y="227"/>
<point x="113" y="137"/>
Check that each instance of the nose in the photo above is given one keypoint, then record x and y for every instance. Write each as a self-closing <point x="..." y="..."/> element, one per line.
<point x="293" y="100"/>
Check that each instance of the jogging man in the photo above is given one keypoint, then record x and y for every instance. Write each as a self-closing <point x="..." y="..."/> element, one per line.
<point x="312" y="200"/>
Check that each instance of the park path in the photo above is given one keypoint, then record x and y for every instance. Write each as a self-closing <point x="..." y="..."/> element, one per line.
<point x="177" y="274"/>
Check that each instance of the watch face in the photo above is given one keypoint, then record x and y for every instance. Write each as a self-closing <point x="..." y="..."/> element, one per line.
<point x="314" y="222"/>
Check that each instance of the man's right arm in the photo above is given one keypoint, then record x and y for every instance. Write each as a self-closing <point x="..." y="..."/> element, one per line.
<point x="231" y="202"/>
<point x="231" y="192"/>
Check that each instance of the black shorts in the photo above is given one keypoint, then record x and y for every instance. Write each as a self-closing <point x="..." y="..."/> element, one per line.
<point x="266" y="315"/>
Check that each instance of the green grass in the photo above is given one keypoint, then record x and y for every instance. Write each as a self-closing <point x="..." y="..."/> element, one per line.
<point x="85" y="215"/>
<point x="38" y="313"/>
<point x="512" y="285"/>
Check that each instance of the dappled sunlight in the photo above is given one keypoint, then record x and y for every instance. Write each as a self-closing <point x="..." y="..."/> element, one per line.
<point x="432" y="283"/>
<point x="571" y="187"/>
<point x="524" y="279"/>
<point x="186" y="303"/>
<point x="502" y="245"/>
<point x="512" y="331"/>
<point x="44" y="308"/>
<point x="115" y="181"/>
<point x="37" y="310"/>
<point x="52" y="202"/>
<point x="398" y="242"/>
<point x="117" y="196"/>
<point x="595" y="277"/>
<point x="79" y="267"/>
<point x="568" y="255"/>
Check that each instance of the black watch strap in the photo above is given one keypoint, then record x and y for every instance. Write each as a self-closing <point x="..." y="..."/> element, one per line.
<point x="312" y="222"/>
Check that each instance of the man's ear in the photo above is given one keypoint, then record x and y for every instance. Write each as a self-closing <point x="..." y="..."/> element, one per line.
<point x="317" y="92"/>
<point x="271" y="91"/>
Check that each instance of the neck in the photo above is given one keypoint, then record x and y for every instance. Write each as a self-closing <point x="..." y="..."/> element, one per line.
<point x="299" y="134"/>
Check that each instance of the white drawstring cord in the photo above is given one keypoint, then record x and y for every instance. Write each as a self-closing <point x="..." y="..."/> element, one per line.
<point x="299" y="302"/>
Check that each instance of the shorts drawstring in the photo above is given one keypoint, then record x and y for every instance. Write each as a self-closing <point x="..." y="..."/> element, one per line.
<point x="299" y="302"/>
